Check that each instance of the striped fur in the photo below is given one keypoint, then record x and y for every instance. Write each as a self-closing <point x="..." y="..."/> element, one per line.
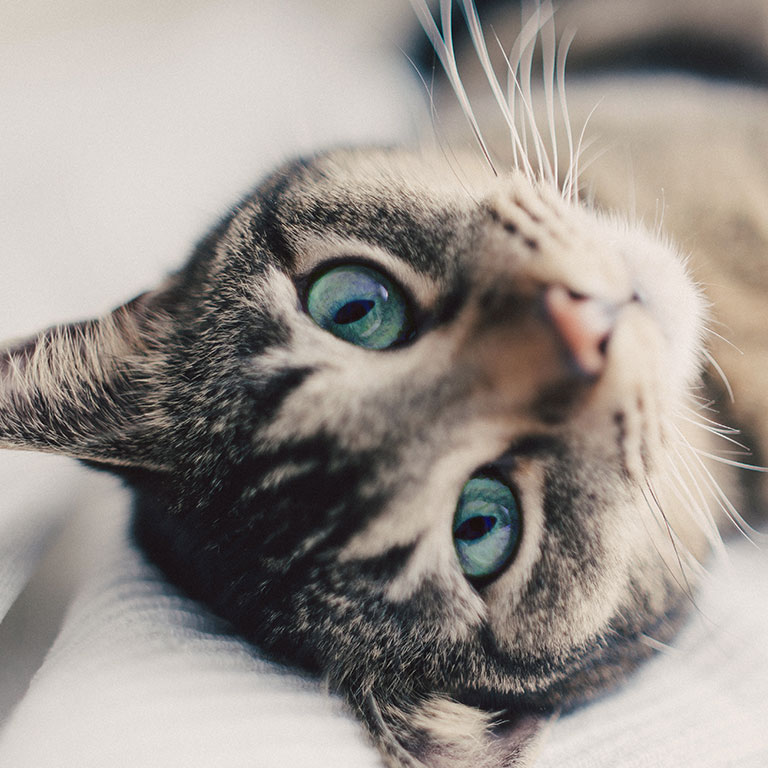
<point x="304" y="488"/>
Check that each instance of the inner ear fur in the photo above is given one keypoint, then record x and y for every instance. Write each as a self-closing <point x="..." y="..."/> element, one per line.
<point x="438" y="732"/>
<point x="82" y="389"/>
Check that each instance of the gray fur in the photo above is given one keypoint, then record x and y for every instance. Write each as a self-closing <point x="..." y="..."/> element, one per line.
<point x="304" y="488"/>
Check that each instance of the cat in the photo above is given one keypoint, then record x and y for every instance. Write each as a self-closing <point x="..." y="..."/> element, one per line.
<point x="413" y="426"/>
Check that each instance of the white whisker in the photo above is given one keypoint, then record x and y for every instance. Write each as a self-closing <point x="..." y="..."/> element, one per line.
<point x="542" y="162"/>
<point x="658" y="513"/>
<point x="722" y="338"/>
<point x="719" y="433"/>
<point x="519" y="84"/>
<point x="580" y="143"/>
<point x="720" y="497"/>
<point x="520" y="136"/>
<point x="526" y="83"/>
<point x="444" y="50"/>
<point x="548" y="58"/>
<point x="716" y="425"/>
<point x="569" y="183"/>
<point x="720" y="373"/>
<point x="478" y="42"/>
<point x="587" y="146"/>
<point x="699" y="510"/>
<point x="657" y="645"/>
<point x="730" y="462"/>
<point x="661" y="206"/>
<point x="436" y="135"/>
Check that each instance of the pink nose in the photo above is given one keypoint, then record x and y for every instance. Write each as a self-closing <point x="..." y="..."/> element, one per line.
<point x="584" y="325"/>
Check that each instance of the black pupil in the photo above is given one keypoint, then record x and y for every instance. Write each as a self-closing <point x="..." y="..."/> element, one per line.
<point x="352" y="311"/>
<point x="475" y="528"/>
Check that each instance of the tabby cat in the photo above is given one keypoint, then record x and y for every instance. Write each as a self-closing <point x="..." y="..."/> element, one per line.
<point x="427" y="423"/>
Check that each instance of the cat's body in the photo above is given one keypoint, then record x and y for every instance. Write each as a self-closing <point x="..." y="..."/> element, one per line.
<point x="306" y="487"/>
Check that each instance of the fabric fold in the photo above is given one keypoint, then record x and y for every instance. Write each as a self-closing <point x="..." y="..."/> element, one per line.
<point x="141" y="676"/>
<point x="29" y="520"/>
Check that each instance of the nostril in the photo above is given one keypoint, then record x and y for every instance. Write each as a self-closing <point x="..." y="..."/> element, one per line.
<point x="584" y="325"/>
<point x="576" y="296"/>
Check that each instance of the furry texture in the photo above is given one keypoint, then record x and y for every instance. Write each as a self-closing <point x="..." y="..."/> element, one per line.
<point x="304" y="488"/>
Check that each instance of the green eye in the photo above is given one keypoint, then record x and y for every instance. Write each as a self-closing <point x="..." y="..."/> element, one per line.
<point x="486" y="526"/>
<point x="359" y="305"/>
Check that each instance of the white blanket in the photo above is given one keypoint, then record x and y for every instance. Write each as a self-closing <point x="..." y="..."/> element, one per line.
<point x="140" y="676"/>
<point x="124" y="136"/>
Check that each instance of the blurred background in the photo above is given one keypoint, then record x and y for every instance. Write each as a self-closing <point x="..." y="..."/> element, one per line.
<point x="128" y="126"/>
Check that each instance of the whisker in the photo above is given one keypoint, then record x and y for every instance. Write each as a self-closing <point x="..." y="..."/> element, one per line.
<point x="443" y="47"/>
<point x="705" y="403"/>
<point x="730" y="462"/>
<point x="719" y="433"/>
<point x="526" y="82"/>
<point x="520" y="85"/>
<point x="661" y="206"/>
<point x="569" y="183"/>
<point x="548" y="58"/>
<point x="720" y="373"/>
<point x="478" y="42"/>
<point x="722" y="500"/>
<point x="517" y="106"/>
<point x="579" y="144"/>
<point x="595" y="158"/>
<point x="657" y="645"/>
<point x="437" y="134"/>
<point x="722" y="338"/>
<point x="684" y="588"/>
<point x="716" y="426"/>
<point x="520" y="67"/>
<point x="699" y="510"/>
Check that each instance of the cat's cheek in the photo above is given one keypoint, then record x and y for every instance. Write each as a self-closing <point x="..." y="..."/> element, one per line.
<point x="664" y="287"/>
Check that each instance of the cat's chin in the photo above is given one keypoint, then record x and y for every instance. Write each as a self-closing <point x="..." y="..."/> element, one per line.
<point x="488" y="726"/>
<point x="560" y="682"/>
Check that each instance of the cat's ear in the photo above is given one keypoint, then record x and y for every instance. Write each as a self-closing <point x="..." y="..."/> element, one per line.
<point x="81" y="389"/>
<point x="441" y="733"/>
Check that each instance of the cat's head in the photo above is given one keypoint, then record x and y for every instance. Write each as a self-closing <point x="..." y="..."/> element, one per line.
<point x="411" y="427"/>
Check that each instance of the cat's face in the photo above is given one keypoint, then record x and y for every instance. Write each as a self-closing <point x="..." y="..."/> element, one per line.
<point x="407" y="427"/>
